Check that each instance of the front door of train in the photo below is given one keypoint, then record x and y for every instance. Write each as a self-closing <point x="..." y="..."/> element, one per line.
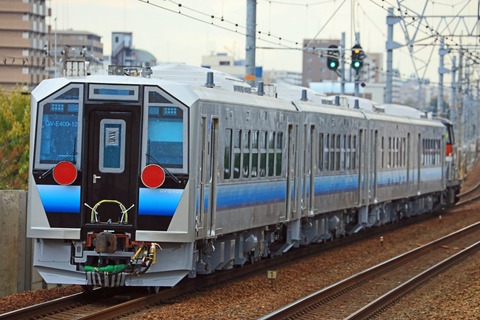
<point x="111" y="161"/>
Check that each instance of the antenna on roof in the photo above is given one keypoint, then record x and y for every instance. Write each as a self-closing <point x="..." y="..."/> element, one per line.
<point x="260" y="90"/>
<point x="304" y="95"/>
<point x="210" y="83"/>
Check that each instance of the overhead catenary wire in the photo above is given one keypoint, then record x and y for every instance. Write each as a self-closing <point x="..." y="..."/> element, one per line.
<point x="283" y="43"/>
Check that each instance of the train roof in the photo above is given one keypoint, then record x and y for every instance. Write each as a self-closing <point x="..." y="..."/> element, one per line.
<point x="197" y="76"/>
<point x="403" y="111"/>
<point x="207" y="94"/>
<point x="189" y="84"/>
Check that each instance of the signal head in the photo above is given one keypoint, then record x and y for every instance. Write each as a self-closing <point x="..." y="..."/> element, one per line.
<point x="357" y="57"/>
<point x="332" y="57"/>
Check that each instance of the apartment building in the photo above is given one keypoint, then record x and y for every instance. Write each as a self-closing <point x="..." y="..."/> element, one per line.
<point x="23" y="37"/>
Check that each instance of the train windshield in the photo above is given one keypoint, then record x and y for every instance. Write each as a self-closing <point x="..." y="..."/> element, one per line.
<point x="166" y="143"/>
<point x="58" y="128"/>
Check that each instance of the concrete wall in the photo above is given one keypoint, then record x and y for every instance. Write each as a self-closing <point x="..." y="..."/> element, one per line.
<point x="16" y="250"/>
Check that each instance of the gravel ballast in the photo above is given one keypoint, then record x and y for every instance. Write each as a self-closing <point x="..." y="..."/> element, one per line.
<point x="452" y="295"/>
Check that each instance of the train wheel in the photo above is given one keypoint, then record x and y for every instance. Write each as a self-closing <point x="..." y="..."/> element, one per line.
<point x="153" y="290"/>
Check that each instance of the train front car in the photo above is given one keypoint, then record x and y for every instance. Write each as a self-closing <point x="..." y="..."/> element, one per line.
<point x="108" y="199"/>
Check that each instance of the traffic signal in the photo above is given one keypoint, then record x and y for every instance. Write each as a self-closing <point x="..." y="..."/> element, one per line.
<point x="332" y="57"/>
<point x="357" y="57"/>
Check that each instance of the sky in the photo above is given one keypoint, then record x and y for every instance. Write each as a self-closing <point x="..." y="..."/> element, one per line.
<point x="183" y="30"/>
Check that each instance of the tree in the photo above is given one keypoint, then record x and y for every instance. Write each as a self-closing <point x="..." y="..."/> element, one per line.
<point x="14" y="138"/>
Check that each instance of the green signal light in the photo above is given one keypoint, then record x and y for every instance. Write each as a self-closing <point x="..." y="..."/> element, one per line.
<point x="333" y="64"/>
<point x="357" y="64"/>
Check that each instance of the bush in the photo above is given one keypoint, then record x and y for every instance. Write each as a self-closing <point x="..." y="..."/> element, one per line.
<point x="14" y="138"/>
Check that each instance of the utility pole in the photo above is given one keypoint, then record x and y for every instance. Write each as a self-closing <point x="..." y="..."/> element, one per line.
<point x="390" y="45"/>
<point x="342" y="64"/>
<point x="453" y="92"/>
<point x="460" y="113"/>
<point x="250" y="42"/>
<point x="441" y="70"/>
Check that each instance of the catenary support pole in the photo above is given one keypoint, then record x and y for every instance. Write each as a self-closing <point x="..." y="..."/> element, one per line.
<point x="250" y="42"/>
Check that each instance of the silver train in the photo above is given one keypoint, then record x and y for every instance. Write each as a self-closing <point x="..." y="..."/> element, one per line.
<point x="147" y="178"/>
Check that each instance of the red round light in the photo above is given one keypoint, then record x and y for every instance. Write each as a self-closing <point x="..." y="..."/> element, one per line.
<point x="153" y="176"/>
<point x="64" y="173"/>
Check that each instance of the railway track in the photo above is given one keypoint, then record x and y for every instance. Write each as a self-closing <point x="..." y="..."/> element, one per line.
<point x="367" y="293"/>
<point x="104" y="304"/>
<point x="107" y="304"/>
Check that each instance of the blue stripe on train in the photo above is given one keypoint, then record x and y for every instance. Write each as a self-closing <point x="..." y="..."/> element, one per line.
<point x="248" y="194"/>
<point x="158" y="202"/>
<point x="60" y="198"/>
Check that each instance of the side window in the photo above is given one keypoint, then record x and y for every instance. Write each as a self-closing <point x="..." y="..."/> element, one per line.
<point x="58" y="128"/>
<point x="271" y="153"/>
<point x="227" y="160"/>
<point x="321" y="152"/>
<point x="332" y="153"/>
<point x="348" y="153"/>
<point x="255" y="137"/>
<point x="246" y="154"/>
<point x="279" y="153"/>
<point x="389" y="163"/>
<point x="382" y="152"/>
<point x="337" y="153"/>
<point x="354" y="153"/>
<point x="237" y="152"/>
<point x="327" y="152"/>
<point x="263" y="153"/>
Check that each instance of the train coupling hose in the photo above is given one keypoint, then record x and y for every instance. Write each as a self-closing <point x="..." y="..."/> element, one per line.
<point x="153" y="252"/>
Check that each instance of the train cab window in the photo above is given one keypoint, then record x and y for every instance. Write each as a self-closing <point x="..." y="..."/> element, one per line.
<point x="165" y="143"/>
<point x="58" y="129"/>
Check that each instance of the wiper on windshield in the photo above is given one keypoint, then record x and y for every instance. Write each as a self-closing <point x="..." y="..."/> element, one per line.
<point x="152" y="158"/>
<point x="72" y="154"/>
